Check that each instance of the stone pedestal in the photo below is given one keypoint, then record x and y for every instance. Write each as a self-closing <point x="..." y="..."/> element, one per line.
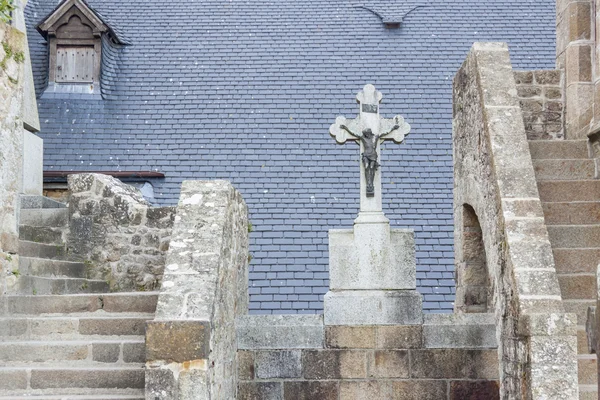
<point x="372" y="275"/>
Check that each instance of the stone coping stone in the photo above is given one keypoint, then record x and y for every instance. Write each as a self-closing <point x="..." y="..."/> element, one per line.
<point x="280" y="332"/>
<point x="470" y="331"/>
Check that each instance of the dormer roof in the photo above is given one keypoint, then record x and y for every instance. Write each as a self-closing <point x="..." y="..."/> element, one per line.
<point x="91" y="19"/>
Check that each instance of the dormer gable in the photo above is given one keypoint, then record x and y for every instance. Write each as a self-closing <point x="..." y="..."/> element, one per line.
<point x="74" y="32"/>
<point x="73" y="18"/>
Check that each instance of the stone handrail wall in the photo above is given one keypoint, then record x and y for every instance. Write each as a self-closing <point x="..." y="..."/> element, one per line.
<point x="494" y="176"/>
<point x="11" y="145"/>
<point x="191" y="343"/>
<point x="114" y="230"/>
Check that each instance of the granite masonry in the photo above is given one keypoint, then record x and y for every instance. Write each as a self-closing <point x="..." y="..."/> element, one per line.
<point x="495" y="192"/>
<point x="191" y="343"/>
<point x="117" y="233"/>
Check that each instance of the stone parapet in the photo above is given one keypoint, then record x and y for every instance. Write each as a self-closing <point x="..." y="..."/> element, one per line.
<point x="495" y="190"/>
<point x="117" y="233"/>
<point x="191" y="344"/>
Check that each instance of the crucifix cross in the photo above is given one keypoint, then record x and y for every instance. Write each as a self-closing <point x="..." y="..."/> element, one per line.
<point x="369" y="130"/>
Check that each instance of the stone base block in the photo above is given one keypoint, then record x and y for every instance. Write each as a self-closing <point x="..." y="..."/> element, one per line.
<point x="372" y="257"/>
<point x="373" y="307"/>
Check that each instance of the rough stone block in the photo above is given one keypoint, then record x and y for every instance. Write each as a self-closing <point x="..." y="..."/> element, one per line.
<point x="309" y="390"/>
<point x="161" y="384"/>
<point x="245" y="361"/>
<point x="134" y="352"/>
<point x="454" y="364"/>
<point x="371" y="257"/>
<point x="357" y="337"/>
<point x="334" y="364"/>
<point x="400" y="337"/>
<point x="474" y="390"/>
<point x="260" y="391"/>
<point x="388" y="364"/>
<point x="105" y="352"/>
<point x="420" y="390"/>
<point x="579" y="21"/>
<point x="177" y="341"/>
<point x="523" y="77"/>
<point x="579" y="64"/>
<point x="579" y="102"/>
<point x="278" y="364"/>
<point x="13" y="380"/>
<point x="113" y="326"/>
<point x="587" y="370"/>
<point x="280" y="332"/>
<point x="375" y="389"/>
<point x="547" y="77"/>
<point x="89" y="378"/>
<point x="577" y="286"/>
<point x="459" y="331"/>
<point x="548" y="324"/>
<point x="372" y="307"/>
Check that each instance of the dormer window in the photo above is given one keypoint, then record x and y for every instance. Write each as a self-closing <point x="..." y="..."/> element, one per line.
<point x="74" y="33"/>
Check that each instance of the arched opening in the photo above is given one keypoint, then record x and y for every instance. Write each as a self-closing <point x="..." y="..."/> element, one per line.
<point x="473" y="289"/>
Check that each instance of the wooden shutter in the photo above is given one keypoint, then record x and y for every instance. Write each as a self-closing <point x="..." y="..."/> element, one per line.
<point x="75" y="64"/>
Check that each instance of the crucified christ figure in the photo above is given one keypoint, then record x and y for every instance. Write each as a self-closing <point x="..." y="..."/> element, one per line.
<point x="369" y="155"/>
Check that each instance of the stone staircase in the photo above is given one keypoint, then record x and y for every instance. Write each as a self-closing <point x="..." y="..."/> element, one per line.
<point x="63" y="336"/>
<point x="570" y="197"/>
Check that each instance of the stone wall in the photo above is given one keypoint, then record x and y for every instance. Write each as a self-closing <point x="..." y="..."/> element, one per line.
<point x="494" y="177"/>
<point x="290" y="357"/>
<point x="541" y="97"/>
<point x="191" y="344"/>
<point x="113" y="229"/>
<point x="12" y="54"/>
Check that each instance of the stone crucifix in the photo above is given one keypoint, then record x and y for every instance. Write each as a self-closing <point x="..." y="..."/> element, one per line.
<point x="369" y="129"/>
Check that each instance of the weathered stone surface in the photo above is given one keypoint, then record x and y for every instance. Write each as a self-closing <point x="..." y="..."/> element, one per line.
<point x="334" y="364"/>
<point x="108" y="220"/>
<point x="260" y="391"/>
<point x="375" y="389"/>
<point x="205" y="283"/>
<point x="90" y="378"/>
<point x="454" y="364"/>
<point x="278" y="364"/>
<point x="459" y="331"/>
<point x="388" y="364"/>
<point x="134" y="352"/>
<point x="399" y="337"/>
<point x="280" y="331"/>
<point x="309" y="390"/>
<point x="12" y="380"/>
<point x="474" y="390"/>
<point x="419" y="390"/>
<point x="357" y="337"/>
<point x="177" y="341"/>
<point x="33" y="163"/>
<point x="161" y="384"/>
<point x="373" y="307"/>
<point x="245" y="361"/>
<point x="493" y="166"/>
<point x="371" y="257"/>
<point x="105" y="352"/>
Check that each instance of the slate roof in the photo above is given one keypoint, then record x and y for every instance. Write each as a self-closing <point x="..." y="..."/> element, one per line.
<point x="246" y="91"/>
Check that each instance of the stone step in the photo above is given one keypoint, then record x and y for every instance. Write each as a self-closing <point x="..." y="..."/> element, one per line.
<point x="577" y="286"/>
<point x="33" y="201"/>
<point x="578" y="307"/>
<point x="587" y="369"/>
<point x="574" y="236"/>
<point x="142" y="302"/>
<point x="42" y="250"/>
<point x="50" y="217"/>
<point x="588" y="392"/>
<point x="572" y="213"/>
<point x="566" y="190"/>
<point x="98" y="396"/>
<point x="74" y="327"/>
<point x="76" y="352"/>
<point x="576" y="260"/>
<point x="62" y="376"/>
<point x="558" y="149"/>
<point x="39" y="285"/>
<point x="573" y="169"/>
<point x="41" y="234"/>
<point x="51" y="268"/>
